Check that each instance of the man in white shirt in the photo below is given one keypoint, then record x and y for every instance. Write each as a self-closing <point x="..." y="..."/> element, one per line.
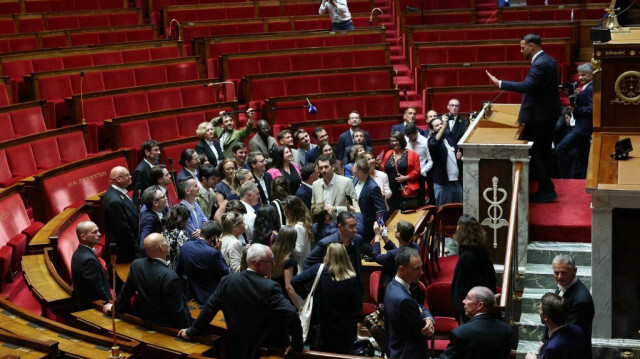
<point x="304" y="145"/>
<point x="332" y="188"/>
<point x="249" y="196"/>
<point x="418" y="143"/>
<point x="338" y="14"/>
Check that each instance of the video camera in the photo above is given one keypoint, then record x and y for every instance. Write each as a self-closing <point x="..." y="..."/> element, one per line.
<point x="571" y="89"/>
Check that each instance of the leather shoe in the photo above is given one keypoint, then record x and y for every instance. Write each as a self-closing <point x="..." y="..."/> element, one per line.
<point x="543" y="197"/>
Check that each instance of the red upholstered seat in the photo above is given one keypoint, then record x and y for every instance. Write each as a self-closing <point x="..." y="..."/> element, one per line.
<point x="21" y="160"/>
<point x="98" y="109"/>
<point x="18" y="245"/>
<point x="5" y="262"/>
<point x="199" y="95"/>
<point x="76" y="61"/>
<point x="164" y="128"/>
<point x="7" y="26"/>
<point x="108" y="58"/>
<point x="375" y="291"/>
<point x="4" y="95"/>
<point x="6" y="128"/>
<point x="150" y="75"/>
<point x="92" y="82"/>
<point x="188" y="123"/>
<point x="165" y="99"/>
<point x="132" y="134"/>
<point x="124" y="19"/>
<point x="116" y="79"/>
<point x="72" y="147"/>
<point x="6" y="178"/>
<point x="46" y="153"/>
<point x="174" y="153"/>
<point x="130" y="103"/>
<point x="94" y="20"/>
<point x="159" y="53"/>
<point x="67" y="244"/>
<point x="62" y="22"/>
<point x="33" y="24"/>
<point x="47" y="64"/>
<point x="54" y="41"/>
<point x="182" y="72"/>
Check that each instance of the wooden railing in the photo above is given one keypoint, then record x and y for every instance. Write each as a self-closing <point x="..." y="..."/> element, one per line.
<point x="511" y="252"/>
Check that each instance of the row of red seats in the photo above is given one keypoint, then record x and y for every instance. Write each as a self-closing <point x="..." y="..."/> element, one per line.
<point x="471" y="97"/>
<point x="28" y="155"/>
<point x="73" y="20"/>
<point x="434" y="4"/>
<point x="564" y="2"/>
<point x="97" y="36"/>
<point x="18" y="65"/>
<point x="5" y="97"/>
<point x="257" y="88"/>
<point x="457" y="75"/>
<point x="434" y="17"/>
<point x="212" y="48"/>
<point x="16" y="229"/>
<point x="54" y="88"/>
<point x="559" y="13"/>
<point x="236" y="66"/>
<point x="35" y="6"/>
<point x="22" y="119"/>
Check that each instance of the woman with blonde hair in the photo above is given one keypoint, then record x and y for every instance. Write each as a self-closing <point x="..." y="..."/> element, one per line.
<point x="337" y="300"/>
<point x="474" y="267"/>
<point x="231" y="248"/>
<point x="299" y="217"/>
<point x="208" y="145"/>
<point x="285" y="266"/>
<point x="240" y="177"/>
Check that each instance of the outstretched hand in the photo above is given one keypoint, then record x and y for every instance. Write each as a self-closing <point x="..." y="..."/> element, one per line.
<point x="493" y="78"/>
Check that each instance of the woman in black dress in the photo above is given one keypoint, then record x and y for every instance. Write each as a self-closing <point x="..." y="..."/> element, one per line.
<point x="285" y="266"/>
<point x="474" y="267"/>
<point x="283" y="165"/>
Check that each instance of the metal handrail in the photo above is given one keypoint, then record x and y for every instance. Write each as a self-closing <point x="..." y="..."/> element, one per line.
<point x="510" y="255"/>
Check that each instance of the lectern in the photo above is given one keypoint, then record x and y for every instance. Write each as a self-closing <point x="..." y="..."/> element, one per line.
<point x="491" y="149"/>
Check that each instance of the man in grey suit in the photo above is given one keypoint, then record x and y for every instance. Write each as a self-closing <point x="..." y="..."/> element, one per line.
<point x="332" y="188"/>
<point x="263" y="142"/>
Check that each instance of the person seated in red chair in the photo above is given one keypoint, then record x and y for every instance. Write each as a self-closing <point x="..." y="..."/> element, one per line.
<point x="87" y="273"/>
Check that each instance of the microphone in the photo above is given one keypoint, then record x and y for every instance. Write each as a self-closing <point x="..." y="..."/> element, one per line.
<point x="171" y="27"/>
<point x="221" y="83"/>
<point x="312" y="109"/>
<point x="371" y="16"/>
<point x="84" y="121"/>
<point x="173" y="178"/>
<point x="486" y="107"/>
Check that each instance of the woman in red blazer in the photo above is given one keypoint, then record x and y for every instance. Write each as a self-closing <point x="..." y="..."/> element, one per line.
<point x="403" y="168"/>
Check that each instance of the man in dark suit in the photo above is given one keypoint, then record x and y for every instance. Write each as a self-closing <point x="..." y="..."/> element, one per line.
<point x="321" y="136"/>
<point x="456" y="123"/>
<point x="566" y="341"/>
<point x="346" y="234"/>
<point x="89" y="278"/>
<point x="539" y="111"/>
<point x="201" y="263"/>
<point x="408" y="117"/>
<point x="407" y="322"/>
<point x="404" y="232"/>
<point x="358" y="138"/>
<point x="153" y="213"/>
<point x="483" y="336"/>
<point x="255" y="310"/>
<point x="141" y="180"/>
<point x="121" y="216"/>
<point x="258" y="162"/>
<point x="346" y="138"/>
<point x="575" y="293"/>
<point x="308" y="174"/>
<point x="159" y="288"/>
<point x="189" y="160"/>
<point x="208" y="145"/>
<point x="580" y="137"/>
<point x="369" y="198"/>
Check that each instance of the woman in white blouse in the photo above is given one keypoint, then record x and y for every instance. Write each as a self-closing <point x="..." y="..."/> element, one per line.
<point x="231" y="249"/>
<point x="380" y="177"/>
<point x="299" y="217"/>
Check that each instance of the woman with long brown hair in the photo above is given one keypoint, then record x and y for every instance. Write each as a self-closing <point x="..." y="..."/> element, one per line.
<point x="299" y="217"/>
<point x="285" y="266"/>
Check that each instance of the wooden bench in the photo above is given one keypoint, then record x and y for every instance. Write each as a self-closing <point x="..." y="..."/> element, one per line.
<point x="72" y="342"/>
<point x="51" y="296"/>
<point x="18" y="346"/>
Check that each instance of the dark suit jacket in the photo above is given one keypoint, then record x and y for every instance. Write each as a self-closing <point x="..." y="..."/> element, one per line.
<point x="312" y="155"/>
<point x="184" y="174"/>
<point x="568" y="342"/>
<point x="403" y="322"/>
<point x="474" y="268"/>
<point x="583" y="112"/>
<point x="141" y="180"/>
<point x="317" y="253"/>
<point x="203" y="147"/>
<point x="347" y="151"/>
<point x="203" y="267"/>
<point x="482" y="337"/>
<point x="388" y="260"/>
<point x="439" y="155"/>
<point x="400" y="128"/>
<point x="304" y="193"/>
<point x="580" y="306"/>
<point x="150" y="223"/>
<point x="459" y="128"/>
<point x="345" y="140"/>
<point x="89" y="278"/>
<point x="256" y="312"/>
<point x="541" y="101"/>
<point x="267" y="181"/>
<point x="336" y="305"/>
<point x="160" y="292"/>
<point x="371" y="202"/>
<point x="121" y="223"/>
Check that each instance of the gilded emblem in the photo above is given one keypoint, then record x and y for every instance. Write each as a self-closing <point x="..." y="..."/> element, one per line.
<point x="627" y="88"/>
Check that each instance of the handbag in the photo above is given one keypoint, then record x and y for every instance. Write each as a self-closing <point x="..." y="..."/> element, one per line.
<point x="307" y="307"/>
<point x="375" y="323"/>
<point x="406" y="191"/>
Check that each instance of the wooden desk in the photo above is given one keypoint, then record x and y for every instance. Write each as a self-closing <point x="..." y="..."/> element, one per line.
<point x="158" y="343"/>
<point x="49" y="293"/>
<point x="41" y="239"/>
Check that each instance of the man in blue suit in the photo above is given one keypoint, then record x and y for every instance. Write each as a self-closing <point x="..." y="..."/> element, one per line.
<point x="404" y="231"/>
<point x="369" y="198"/>
<point x="565" y="341"/>
<point x="347" y="236"/>
<point x="408" y="117"/>
<point x="188" y="191"/>
<point x="153" y="212"/>
<point x="321" y="135"/>
<point x="539" y="111"/>
<point x="580" y="137"/>
<point x="308" y="174"/>
<point x="407" y="322"/>
<point x="346" y="138"/>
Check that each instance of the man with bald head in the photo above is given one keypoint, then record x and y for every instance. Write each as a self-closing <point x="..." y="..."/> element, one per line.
<point x="89" y="277"/>
<point x="263" y="142"/>
<point x="254" y="307"/>
<point x="159" y="288"/>
<point x="121" y="216"/>
<point x="483" y="336"/>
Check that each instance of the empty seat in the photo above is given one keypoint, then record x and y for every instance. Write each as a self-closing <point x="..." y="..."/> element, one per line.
<point x="150" y="75"/>
<point x="116" y="79"/>
<point x="133" y="133"/>
<point x="130" y="104"/>
<point x="72" y="147"/>
<point x="164" y="99"/>
<point x="21" y="160"/>
<point x="46" y="153"/>
<point x="164" y="128"/>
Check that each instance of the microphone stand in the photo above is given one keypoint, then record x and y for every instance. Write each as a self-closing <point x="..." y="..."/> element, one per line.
<point x="84" y="121"/>
<point x="115" y="349"/>
<point x="173" y="178"/>
<point x="486" y="108"/>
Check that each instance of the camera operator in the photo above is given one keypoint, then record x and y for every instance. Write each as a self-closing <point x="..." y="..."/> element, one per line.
<point x="580" y="137"/>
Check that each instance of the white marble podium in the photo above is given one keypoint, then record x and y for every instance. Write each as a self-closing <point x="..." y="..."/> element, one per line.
<point x="491" y="149"/>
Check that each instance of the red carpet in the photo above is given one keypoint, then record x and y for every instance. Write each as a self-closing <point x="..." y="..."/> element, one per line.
<point x="568" y="219"/>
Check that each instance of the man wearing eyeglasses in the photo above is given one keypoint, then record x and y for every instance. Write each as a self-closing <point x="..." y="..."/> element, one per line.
<point x="153" y="212"/>
<point x="255" y="309"/>
<point x="483" y="336"/>
<point x="456" y="123"/>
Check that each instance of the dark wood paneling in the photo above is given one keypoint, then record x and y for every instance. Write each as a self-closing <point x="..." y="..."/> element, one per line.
<point x="625" y="306"/>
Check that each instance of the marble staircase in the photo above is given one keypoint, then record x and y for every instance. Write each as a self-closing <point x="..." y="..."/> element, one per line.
<point x="538" y="280"/>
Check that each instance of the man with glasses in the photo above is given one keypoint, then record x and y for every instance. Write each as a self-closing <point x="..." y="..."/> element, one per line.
<point x="153" y="213"/>
<point x="483" y="336"/>
<point x="121" y="215"/>
<point x="255" y="309"/>
<point x="457" y="124"/>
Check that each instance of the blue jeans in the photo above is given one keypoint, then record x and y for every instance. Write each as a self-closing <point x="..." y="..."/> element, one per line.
<point x="448" y="192"/>
<point x="345" y="25"/>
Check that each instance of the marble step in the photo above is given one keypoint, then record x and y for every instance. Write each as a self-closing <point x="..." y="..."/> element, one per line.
<point x="531" y="298"/>
<point x="541" y="276"/>
<point x="531" y="328"/>
<point x="544" y="252"/>
<point x="526" y="346"/>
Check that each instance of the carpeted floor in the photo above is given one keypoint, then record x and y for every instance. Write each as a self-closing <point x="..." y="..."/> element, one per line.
<point x="567" y="219"/>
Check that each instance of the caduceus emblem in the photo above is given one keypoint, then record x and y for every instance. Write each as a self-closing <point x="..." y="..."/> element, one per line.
<point x="495" y="220"/>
